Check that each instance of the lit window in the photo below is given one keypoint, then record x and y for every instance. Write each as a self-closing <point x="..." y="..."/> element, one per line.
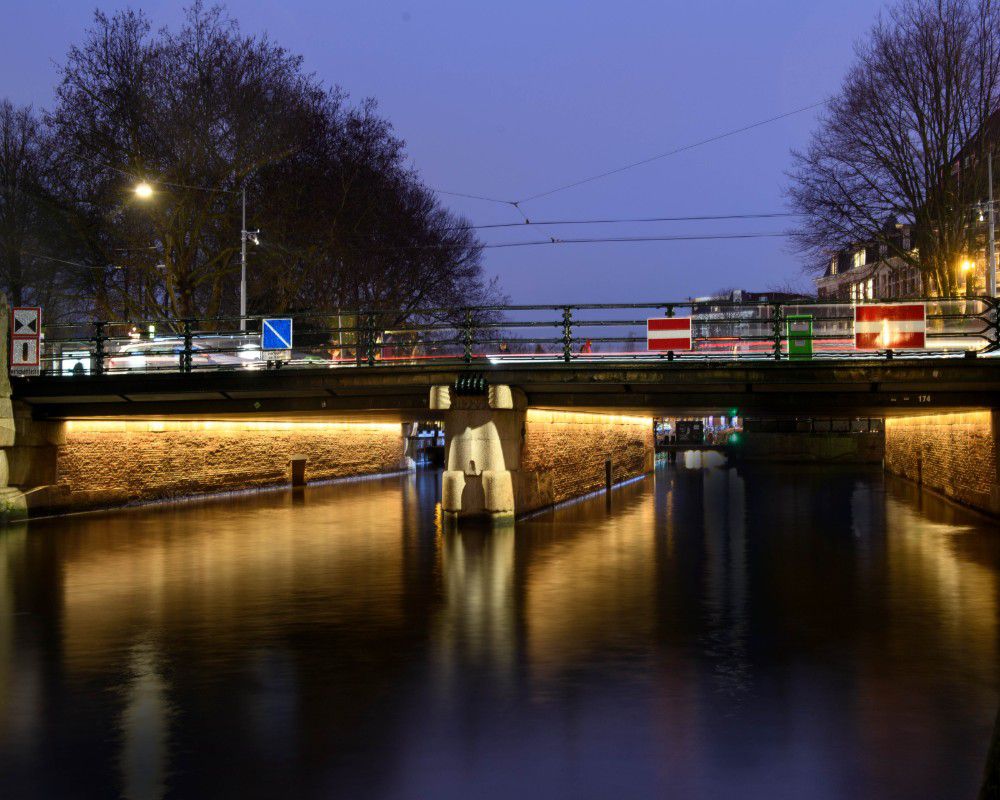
<point x="871" y="287"/>
<point x="858" y="258"/>
<point x="833" y="265"/>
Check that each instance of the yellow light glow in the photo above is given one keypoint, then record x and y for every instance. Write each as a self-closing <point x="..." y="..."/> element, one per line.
<point x="143" y="191"/>
<point x="219" y="426"/>
<point x="981" y="419"/>
<point x="584" y="418"/>
<point x="967" y="265"/>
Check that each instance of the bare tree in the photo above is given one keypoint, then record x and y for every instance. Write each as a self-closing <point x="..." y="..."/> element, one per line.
<point x="790" y="288"/>
<point x="906" y="139"/>
<point x="30" y="232"/>
<point x="204" y="112"/>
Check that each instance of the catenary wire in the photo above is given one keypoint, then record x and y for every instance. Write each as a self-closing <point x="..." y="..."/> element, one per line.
<point x="695" y="218"/>
<point x="632" y="165"/>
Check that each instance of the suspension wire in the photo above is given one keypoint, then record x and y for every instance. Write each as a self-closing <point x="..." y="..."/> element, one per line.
<point x="675" y="151"/>
<point x="614" y="239"/>
<point x="695" y="218"/>
<point x="642" y="162"/>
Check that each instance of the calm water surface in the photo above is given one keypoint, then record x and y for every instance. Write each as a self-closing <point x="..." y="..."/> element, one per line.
<point x="712" y="633"/>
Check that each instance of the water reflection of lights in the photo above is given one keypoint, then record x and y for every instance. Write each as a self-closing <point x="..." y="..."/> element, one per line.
<point x="585" y="592"/>
<point x="478" y="623"/>
<point x="162" y="565"/>
<point x="145" y="727"/>
<point x="20" y="677"/>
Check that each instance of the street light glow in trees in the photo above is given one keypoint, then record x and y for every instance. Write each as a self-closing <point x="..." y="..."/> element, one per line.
<point x="968" y="269"/>
<point x="144" y="191"/>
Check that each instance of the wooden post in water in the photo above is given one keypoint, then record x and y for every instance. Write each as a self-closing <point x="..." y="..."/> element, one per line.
<point x="298" y="470"/>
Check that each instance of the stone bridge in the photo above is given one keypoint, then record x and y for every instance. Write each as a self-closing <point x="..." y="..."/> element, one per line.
<point x="519" y="436"/>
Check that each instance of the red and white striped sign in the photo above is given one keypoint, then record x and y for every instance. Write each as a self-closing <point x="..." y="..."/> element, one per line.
<point x="668" y="333"/>
<point x="890" y="326"/>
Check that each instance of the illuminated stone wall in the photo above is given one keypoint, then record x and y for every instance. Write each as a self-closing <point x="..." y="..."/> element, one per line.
<point x="956" y="455"/>
<point x="564" y="453"/>
<point x="116" y="462"/>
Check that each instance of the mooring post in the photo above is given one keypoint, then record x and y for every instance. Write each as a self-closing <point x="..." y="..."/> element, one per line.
<point x="297" y="465"/>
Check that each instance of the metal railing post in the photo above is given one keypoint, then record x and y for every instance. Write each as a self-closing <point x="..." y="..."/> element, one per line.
<point x="993" y="325"/>
<point x="370" y="336"/>
<point x="358" y="339"/>
<point x="567" y="333"/>
<point x="99" y="339"/>
<point x="669" y="312"/>
<point x="467" y="336"/>
<point x="777" y="331"/>
<point x="186" y="353"/>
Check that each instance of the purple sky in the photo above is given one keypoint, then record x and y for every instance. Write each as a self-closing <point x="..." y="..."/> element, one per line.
<point x="510" y="99"/>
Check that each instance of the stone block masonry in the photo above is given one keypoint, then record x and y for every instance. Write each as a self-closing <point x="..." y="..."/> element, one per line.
<point x="956" y="455"/>
<point x="564" y="454"/>
<point x="505" y="459"/>
<point x="107" y="463"/>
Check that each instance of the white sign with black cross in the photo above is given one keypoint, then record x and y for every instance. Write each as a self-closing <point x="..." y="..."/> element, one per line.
<point x="25" y="340"/>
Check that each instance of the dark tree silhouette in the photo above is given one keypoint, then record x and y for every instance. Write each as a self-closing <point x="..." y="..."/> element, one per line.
<point x="31" y="236"/>
<point x="906" y="139"/>
<point x="202" y="113"/>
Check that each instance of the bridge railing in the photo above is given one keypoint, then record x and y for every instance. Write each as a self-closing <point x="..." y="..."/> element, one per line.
<point x="720" y="330"/>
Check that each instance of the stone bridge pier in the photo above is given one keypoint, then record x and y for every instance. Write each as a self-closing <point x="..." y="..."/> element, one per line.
<point x="503" y="458"/>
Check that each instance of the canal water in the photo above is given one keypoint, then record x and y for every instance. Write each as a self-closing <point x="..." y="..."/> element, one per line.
<point x="711" y="632"/>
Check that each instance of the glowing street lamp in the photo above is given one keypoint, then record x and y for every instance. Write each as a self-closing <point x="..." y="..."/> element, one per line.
<point x="144" y="191"/>
<point x="968" y="268"/>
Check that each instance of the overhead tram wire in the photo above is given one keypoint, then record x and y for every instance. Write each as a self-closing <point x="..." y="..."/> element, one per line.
<point x="499" y="245"/>
<point x="683" y="148"/>
<point x="704" y="237"/>
<point x="585" y="240"/>
<point x="513" y="203"/>
<point x="625" y="239"/>
<point x="696" y="218"/>
<point x="675" y="151"/>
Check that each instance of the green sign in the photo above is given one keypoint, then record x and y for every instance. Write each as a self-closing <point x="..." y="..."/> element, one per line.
<point x="800" y="337"/>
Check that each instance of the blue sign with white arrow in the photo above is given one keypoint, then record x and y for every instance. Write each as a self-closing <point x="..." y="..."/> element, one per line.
<point x="276" y="334"/>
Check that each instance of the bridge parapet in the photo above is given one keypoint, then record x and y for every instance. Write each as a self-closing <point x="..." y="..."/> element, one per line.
<point x="714" y="330"/>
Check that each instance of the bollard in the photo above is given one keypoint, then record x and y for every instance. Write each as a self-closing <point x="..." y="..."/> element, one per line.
<point x="607" y="475"/>
<point x="298" y="470"/>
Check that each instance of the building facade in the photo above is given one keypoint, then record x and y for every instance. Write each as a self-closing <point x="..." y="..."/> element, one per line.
<point x="867" y="272"/>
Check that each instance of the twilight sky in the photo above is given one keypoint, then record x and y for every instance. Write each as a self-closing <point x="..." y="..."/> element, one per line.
<point x="511" y="99"/>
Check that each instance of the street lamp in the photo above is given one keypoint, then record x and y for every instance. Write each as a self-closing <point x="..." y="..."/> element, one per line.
<point x="144" y="191"/>
<point x="991" y="256"/>
<point x="968" y="268"/>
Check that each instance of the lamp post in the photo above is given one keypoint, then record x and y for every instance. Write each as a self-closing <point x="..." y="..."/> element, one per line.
<point x="991" y="256"/>
<point x="144" y="191"/>
<point x="243" y="263"/>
